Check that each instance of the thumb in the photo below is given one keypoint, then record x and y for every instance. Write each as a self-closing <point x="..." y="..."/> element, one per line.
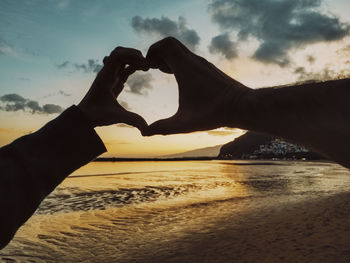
<point x="167" y="126"/>
<point x="133" y="119"/>
<point x="168" y="55"/>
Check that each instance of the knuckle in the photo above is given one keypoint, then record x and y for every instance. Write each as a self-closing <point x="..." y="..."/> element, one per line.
<point x="138" y="52"/>
<point x="164" y="45"/>
<point x="117" y="50"/>
<point x="105" y="59"/>
<point x="169" y="43"/>
<point x="169" y="40"/>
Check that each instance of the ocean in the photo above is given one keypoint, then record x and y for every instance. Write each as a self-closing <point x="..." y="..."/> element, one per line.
<point x="147" y="211"/>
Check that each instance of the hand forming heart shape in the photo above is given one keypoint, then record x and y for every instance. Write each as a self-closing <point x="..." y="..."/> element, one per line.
<point x="206" y="95"/>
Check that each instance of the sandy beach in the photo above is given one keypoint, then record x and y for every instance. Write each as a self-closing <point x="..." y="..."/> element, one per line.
<point x="196" y="212"/>
<point x="311" y="231"/>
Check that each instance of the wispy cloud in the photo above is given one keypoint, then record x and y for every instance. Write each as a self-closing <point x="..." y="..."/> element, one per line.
<point x="58" y="93"/>
<point x="63" y="65"/>
<point x="326" y="73"/>
<point x="15" y="102"/>
<point x="123" y="125"/>
<point x="91" y="66"/>
<point x="224" y="132"/>
<point x="7" y="49"/>
<point x="139" y="83"/>
<point x="63" y="4"/>
<point x="164" y="27"/>
<point x="279" y="26"/>
<point x="124" y="104"/>
<point x="63" y="93"/>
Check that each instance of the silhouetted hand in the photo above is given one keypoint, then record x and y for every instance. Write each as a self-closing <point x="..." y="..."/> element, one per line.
<point x="99" y="104"/>
<point x="206" y="95"/>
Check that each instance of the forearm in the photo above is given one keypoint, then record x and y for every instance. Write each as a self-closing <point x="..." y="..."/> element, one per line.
<point x="33" y="165"/>
<point x="316" y="115"/>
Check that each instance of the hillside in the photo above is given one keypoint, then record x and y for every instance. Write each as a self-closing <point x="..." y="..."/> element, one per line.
<point x="202" y="152"/>
<point x="259" y="146"/>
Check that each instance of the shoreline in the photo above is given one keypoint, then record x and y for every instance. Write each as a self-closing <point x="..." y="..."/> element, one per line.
<point x="122" y="159"/>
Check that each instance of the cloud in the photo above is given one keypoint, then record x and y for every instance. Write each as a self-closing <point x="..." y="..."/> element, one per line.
<point x="279" y="26"/>
<point x="165" y="27"/>
<point x="63" y="93"/>
<point x="63" y="65"/>
<point x="123" y="125"/>
<point x="344" y="51"/>
<point x="91" y="66"/>
<point x="59" y="93"/>
<point x="223" y="132"/>
<point x="15" y="102"/>
<point x="310" y="59"/>
<point x="222" y="44"/>
<point x="63" y="4"/>
<point x="6" y="48"/>
<point x="323" y="75"/>
<point x="220" y="133"/>
<point x="139" y="83"/>
<point x="33" y="106"/>
<point x="51" y="108"/>
<point x="124" y="104"/>
<point x="12" y="98"/>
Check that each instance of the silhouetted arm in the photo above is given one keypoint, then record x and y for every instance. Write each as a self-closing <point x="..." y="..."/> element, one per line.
<point x="316" y="115"/>
<point x="33" y="165"/>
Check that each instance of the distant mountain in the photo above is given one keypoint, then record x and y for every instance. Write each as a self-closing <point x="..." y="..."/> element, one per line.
<point x="244" y="144"/>
<point x="202" y="152"/>
<point x="254" y="145"/>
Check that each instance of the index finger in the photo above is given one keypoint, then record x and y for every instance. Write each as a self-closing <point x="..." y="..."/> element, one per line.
<point x="168" y="55"/>
<point x="122" y="56"/>
<point x="115" y="63"/>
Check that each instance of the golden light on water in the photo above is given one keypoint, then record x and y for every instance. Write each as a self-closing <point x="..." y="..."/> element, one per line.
<point x="127" y="211"/>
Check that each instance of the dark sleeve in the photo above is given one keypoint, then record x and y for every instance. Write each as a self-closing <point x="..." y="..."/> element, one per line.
<point x="33" y="165"/>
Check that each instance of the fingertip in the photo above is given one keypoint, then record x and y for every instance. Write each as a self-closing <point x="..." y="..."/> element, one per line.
<point x="161" y="127"/>
<point x="145" y="133"/>
<point x="135" y="120"/>
<point x="105" y="60"/>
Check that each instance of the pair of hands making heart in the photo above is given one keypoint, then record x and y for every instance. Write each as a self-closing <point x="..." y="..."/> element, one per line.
<point x="207" y="96"/>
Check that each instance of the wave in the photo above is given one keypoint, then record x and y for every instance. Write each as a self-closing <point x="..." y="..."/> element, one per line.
<point x="67" y="200"/>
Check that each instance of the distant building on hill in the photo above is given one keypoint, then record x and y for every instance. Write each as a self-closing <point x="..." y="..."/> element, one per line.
<point x="258" y="146"/>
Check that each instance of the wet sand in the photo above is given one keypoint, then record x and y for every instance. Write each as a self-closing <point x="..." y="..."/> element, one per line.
<point x="311" y="231"/>
<point x="199" y="212"/>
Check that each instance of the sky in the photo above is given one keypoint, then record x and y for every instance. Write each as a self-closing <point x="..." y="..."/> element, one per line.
<point x="51" y="50"/>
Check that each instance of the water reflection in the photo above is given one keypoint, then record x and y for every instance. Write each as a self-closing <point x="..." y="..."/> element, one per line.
<point x="119" y="212"/>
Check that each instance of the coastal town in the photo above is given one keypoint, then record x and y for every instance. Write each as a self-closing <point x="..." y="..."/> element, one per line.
<point x="274" y="149"/>
<point x="277" y="148"/>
